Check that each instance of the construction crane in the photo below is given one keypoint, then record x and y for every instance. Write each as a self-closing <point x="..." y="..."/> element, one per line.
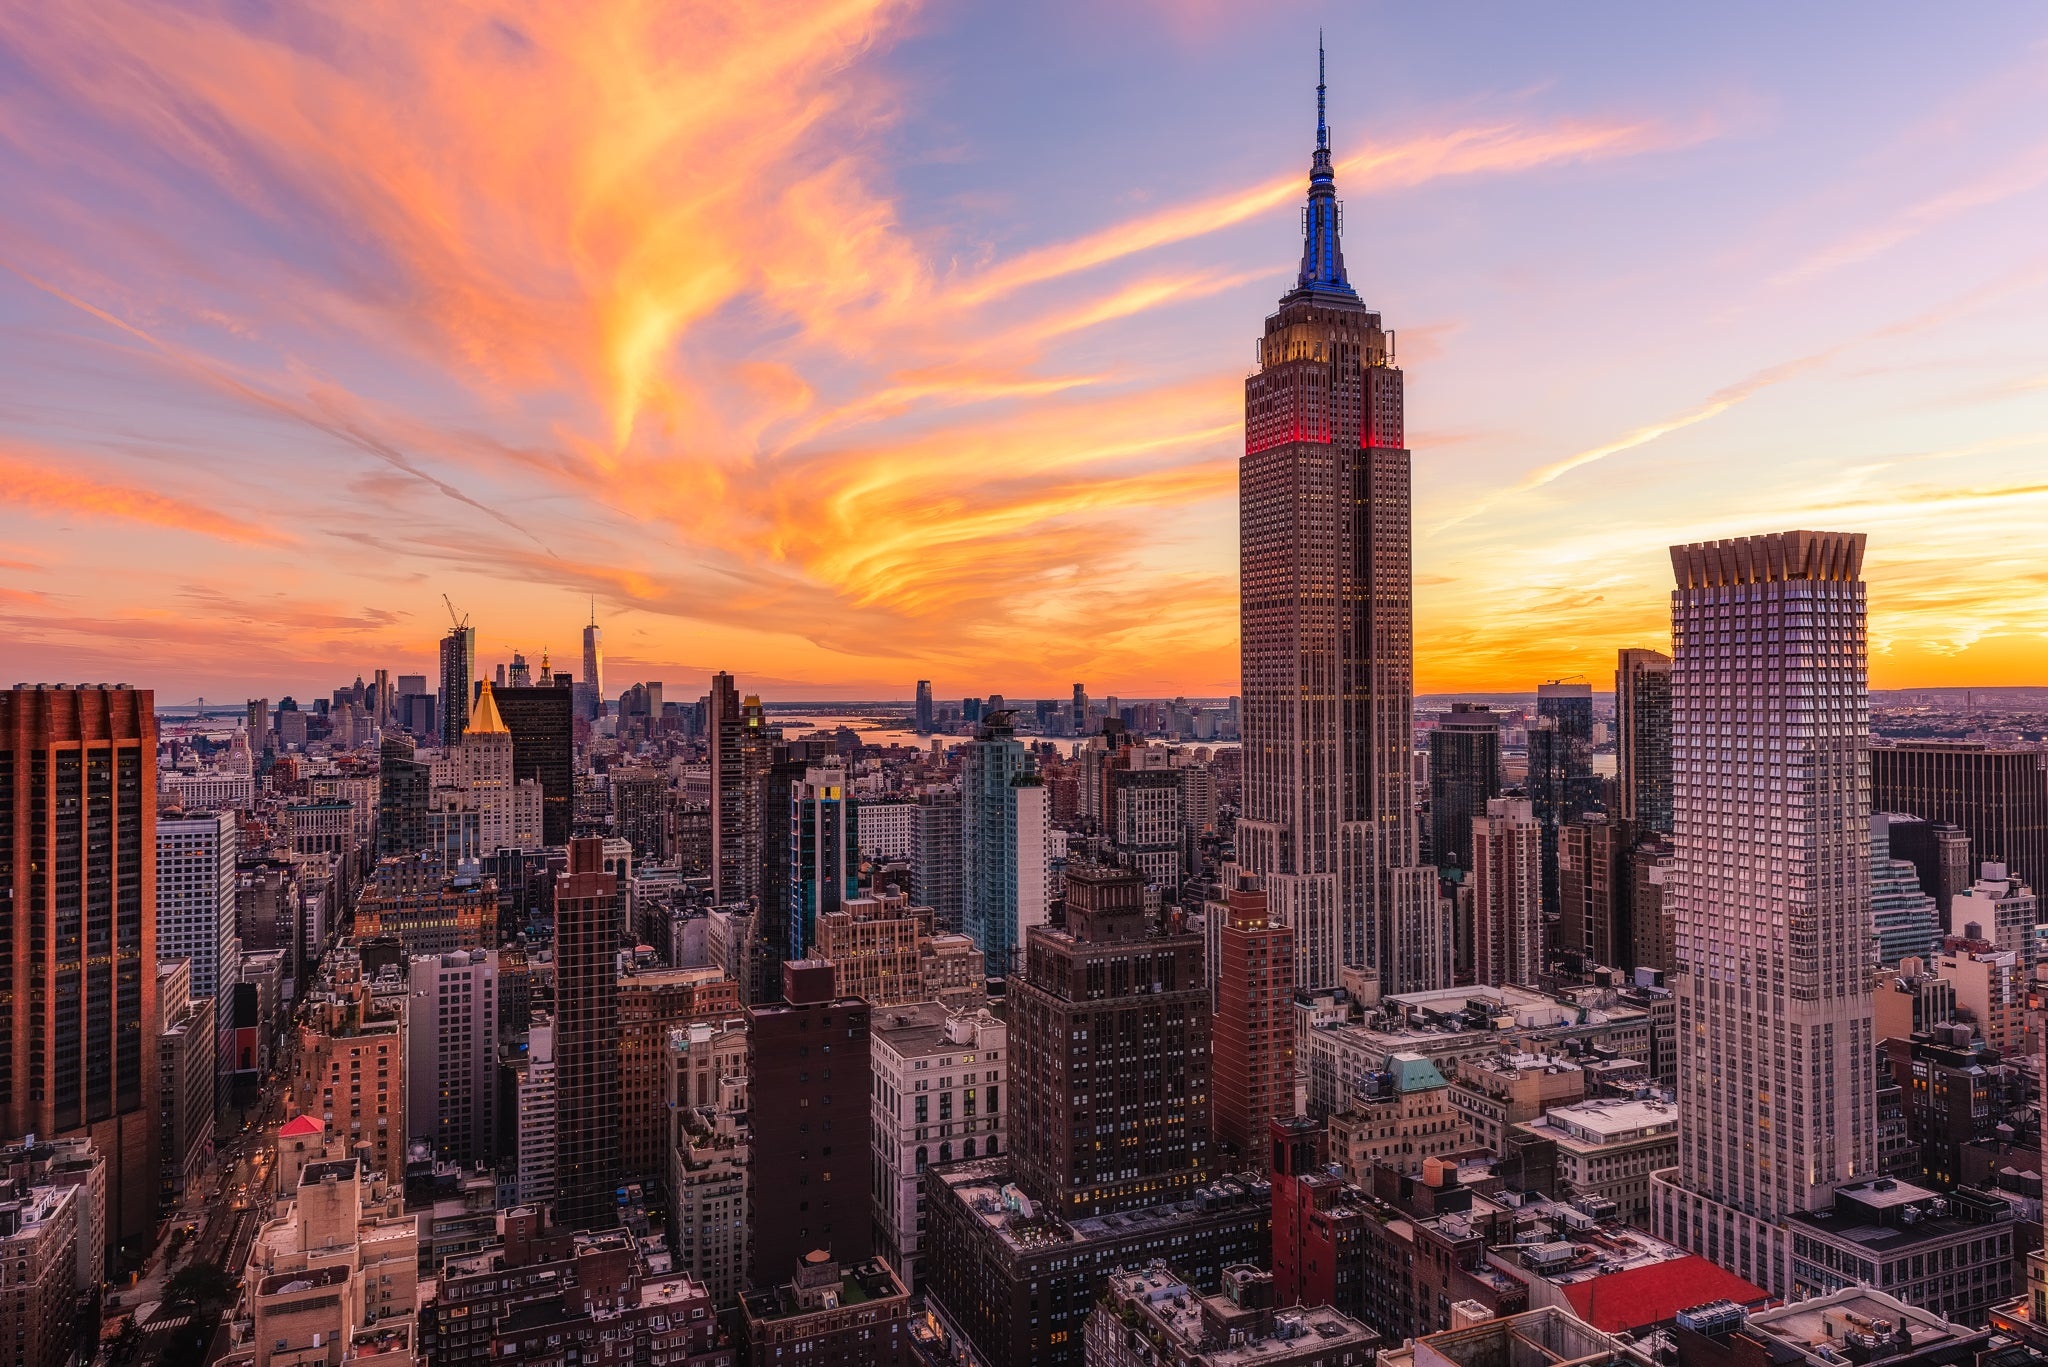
<point x="461" y="622"/>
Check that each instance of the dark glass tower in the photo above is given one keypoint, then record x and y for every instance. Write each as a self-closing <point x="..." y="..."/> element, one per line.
<point x="1325" y="573"/>
<point x="458" y="672"/>
<point x="544" y="747"/>
<point x="1561" y="785"/>
<point x="1642" y="738"/>
<point x="1464" y="771"/>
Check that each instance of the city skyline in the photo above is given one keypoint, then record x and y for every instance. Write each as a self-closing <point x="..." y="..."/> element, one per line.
<point x="513" y="360"/>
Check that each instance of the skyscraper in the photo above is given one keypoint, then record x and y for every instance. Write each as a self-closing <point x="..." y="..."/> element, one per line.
<point x="1770" y="736"/>
<point x="1997" y="795"/>
<point x="592" y="683"/>
<point x="1561" y="785"/>
<point x="586" y="1040"/>
<point x="1109" y="1032"/>
<point x="259" y="724"/>
<point x="824" y="852"/>
<point x="924" y="707"/>
<point x="1642" y="739"/>
<point x="1464" y="771"/>
<point x="78" y="930"/>
<point x="544" y="747"/>
<point x="383" y="704"/>
<point x="1325" y="587"/>
<point x="458" y="675"/>
<point x="1005" y="854"/>
<point x="1079" y="713"/>
<point x="740" y="755"/>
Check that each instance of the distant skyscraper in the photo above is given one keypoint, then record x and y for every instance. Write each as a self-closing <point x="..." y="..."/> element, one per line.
<point x="593" y="666"/>
<point x="1464" y="772"/>
<point x="1326" y="581"/>
<point x="586" y="1040"/>
<point x="1507" y="919"/>
<point x="384" y="705"/>
<point x="1642" y="739"/>
<point x="740" y="755"/>
<point x="458" y="676"/>
<point x="1905" y="919"/>
<point x="259" y="724"/>
<point x="1770" y="734"/>
<point x="1560" y="784"/>
<point x="924" y="707"/>
<point x="1005" y="853"/>
<point x="78" y="865"/>
<point x="1079" y="712"/>
<point x="519" y="675"/>
<point x="1997" y="795"/>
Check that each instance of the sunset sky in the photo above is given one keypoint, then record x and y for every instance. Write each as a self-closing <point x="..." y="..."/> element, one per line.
<point x="841" y="345"/>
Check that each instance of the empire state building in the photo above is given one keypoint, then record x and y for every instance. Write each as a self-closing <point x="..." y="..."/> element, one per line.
<point x="1325" y="589"/>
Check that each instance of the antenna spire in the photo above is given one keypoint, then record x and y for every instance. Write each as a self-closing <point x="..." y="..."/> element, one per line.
<point x="1322" y="128"/>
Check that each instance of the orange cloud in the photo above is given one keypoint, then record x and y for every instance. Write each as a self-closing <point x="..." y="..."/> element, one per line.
<point x="47" y="484"/>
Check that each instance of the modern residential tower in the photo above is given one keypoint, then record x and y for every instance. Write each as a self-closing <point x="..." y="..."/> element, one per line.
<point x="1325" y="600"/>
<point x="1771" y="788"/>
<point x="1642" y="738"/>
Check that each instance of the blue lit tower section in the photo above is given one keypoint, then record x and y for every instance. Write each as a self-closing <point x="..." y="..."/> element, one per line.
<point x="1325" y="564"/>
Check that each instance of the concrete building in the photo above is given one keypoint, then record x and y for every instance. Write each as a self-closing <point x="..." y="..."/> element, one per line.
<point x="1150" y="1314"/>
<point x="829" y="1315"/>
<point x="352" y="1064"/>
<point x="940" y="1084"/>
<point x="1990" y="989"/>
<point x="1607" y="1149"/>
<point x="1459" y="1023"/>
<point x="77" y="1014"/>
<point x="2005" y="908"/>
<point x="452" y="1053"/>
<point x="534" y="1116"/>
<point x="40" y="1231"/>
<point x="810" y="1177"/>
<point x="335" y="1278"/>
<point x="1495" y="1093"/>
<point x="708" y="1152"/>
<point x="188" y="1067"/>
<point x="1399" y="1117"/>
<point x="935" y="871"/>
<point x="1507" y="903"/>
<point x="1252" y="1034"/>
<point x="1770" y="727"/>
<point x="1952" y="1253"/>
<point x="1014" y="1283"/>
<point x="888" y="831"/>
<point x="651" y="1003"/>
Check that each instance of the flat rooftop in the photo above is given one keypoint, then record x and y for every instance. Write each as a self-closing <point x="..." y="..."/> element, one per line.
<point x="985" y="1187"/>
<point x="1179" y="1309"/>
